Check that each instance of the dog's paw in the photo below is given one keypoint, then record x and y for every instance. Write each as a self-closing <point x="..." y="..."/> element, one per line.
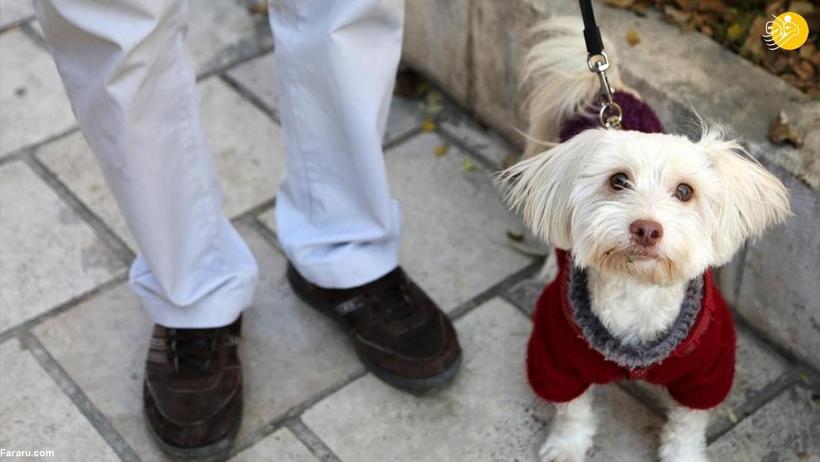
<point x="559" y="448"/>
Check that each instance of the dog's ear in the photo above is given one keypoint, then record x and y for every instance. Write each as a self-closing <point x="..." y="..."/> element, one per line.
<point x="753" y="199"/>
<point x="540" y="187"/>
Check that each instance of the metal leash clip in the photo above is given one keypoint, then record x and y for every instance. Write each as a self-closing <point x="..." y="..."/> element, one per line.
<point x="611" y="113"/>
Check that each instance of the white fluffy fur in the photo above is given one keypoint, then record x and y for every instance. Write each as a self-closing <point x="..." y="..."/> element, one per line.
<point x="683" y="438"/>
<point x="565" y="197"/>
<point x="572" y="430"/>
<point x="637" y="310"/>
<point x="561" y="83"/>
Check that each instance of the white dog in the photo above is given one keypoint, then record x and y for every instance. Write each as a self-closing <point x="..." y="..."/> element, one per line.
<point x="640" y="219"/>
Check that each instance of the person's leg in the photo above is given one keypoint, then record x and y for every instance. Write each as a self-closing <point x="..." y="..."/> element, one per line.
<point x="336" y="64"/>
<point x="132" y="89"/>
<point x="124" y="68"/>
<point x="336" y="220"/>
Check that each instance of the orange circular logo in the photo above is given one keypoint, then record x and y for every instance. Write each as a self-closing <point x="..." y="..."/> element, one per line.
<point x="788" y="31"/>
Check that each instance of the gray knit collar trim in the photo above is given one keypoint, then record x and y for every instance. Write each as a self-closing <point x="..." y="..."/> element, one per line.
<point x="632" y="355"/>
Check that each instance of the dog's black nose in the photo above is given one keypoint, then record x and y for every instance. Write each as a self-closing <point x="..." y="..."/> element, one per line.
<point x="646" y="233"/>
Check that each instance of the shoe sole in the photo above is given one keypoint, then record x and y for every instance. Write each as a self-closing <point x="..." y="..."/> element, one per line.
<point x="218" y="450"/>
<point x="412" y="386"/>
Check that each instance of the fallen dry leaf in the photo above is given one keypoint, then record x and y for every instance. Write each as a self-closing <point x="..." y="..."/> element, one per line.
<point x="806" y="51"/>
<point x="441" y="149"/>
<point x="735" y="31"/>
<point x="775" y="8"/>
<point x="708" y="31"/>
<point x="469" y="165"/>
<point x="619" y="3"/>
<point x="804" y="70"/>
<point x="711" y="6"/>
<point x="514" y="236"/>
<point x="640" y="8"/>
<point x="428" y="125"/>
<point x="810" y="52"/>
<point x="753" y="46"/>
<point x="433" y="104"/>
<point x="779" y="64"/>
<point x="781" y="131"/>
<point x="258" y="7"/>
<point x="802" y="7"/>
<point x="676" y="16"/>
<point x="791" y="79"/>
<point x="633" y="38"/>
<point x="685" y="5"/>
<point x="525" y="243"/>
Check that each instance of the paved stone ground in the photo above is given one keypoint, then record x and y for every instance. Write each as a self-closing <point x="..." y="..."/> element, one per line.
<point x="64" y="254"/>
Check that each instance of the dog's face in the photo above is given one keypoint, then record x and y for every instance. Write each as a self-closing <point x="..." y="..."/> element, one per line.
<point x="658" y="207"/>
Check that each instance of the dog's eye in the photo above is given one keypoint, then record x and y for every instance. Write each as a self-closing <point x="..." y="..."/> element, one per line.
<point x="683" y="192"/>
<point x="619" y="181"/>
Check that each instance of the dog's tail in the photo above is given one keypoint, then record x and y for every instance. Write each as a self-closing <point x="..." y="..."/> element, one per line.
<point x="561" y="84"/>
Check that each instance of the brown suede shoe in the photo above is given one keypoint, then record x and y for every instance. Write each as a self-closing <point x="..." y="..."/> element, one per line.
<point x="398" y="332"/>
<point x="192" y="393"/>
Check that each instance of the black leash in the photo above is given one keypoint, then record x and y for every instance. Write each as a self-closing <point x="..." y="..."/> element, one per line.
<point x="592" y="34"/>
<point x="610" y="114"/>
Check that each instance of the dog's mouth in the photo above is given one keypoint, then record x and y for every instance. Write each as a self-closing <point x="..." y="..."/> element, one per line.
<point x="640" y="254"/>
<point x="650" y="264"/>
<point x="632" y="254"/>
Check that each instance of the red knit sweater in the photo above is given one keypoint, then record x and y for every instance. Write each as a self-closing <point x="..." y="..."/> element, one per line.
<point x="561" y="364"/>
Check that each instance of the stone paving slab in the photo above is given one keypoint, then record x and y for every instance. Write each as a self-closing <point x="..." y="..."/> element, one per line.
<point x="279" y="446"/>
<point x="785" y="429"/>
<point x="479" y="140"/>
<point x="489" y="413"/>
<point x="525" y="293"/>
<point x="403" y="119"/>
<point x="454" y="226"/>
<point x="258" y="77"/>
<point x="36" y="415"/>
<point x="107" y="366"/>
<point x="220" y="32"/>
<point x="15" y="11"/>
<point x="34" y="104"/>
<point x="34" y="221"/>
<point x="290" y="353"/>
<point x="246" y="146"/>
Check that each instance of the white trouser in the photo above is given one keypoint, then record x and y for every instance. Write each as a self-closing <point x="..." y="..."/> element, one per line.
<point x="125" y="70"/>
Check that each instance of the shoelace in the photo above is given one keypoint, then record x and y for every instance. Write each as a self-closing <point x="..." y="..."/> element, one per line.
<point x="191" y="350"/>
<point x="394" y="296"/>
